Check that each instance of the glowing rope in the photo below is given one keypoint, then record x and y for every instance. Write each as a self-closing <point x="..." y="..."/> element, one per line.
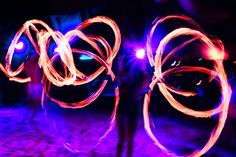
<point x="215" y="52"/>
<point x="71" y="75"/>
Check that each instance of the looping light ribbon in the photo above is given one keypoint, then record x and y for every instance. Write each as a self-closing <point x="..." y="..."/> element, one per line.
<point x="215" y="53"/>
<point x="71" y="75"/>
<point x="40" y="35"/>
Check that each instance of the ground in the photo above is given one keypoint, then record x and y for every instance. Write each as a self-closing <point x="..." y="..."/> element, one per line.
<point x="67" y="133"/>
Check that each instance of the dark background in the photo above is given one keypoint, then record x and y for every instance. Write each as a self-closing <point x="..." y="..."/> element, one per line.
<point x="216" y="17"/>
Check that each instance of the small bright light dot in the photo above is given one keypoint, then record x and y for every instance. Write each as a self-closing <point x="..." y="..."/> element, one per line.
<point x="140" y="53"/>
<point x="19" y="45"/>
<point x="199" y="82"/>
<point x="176" y="63"/>
<point x="57" y="49"/>
<point x="173" y="64"/>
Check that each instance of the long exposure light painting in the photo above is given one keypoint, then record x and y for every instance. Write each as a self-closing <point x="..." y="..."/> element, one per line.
<point x="73" y="76"/>
<point x="215" y="52"/>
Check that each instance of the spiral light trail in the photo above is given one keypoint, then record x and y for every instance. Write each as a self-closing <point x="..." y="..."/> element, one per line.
<point x="215" y="53"/>
<point x="71" y="75"/>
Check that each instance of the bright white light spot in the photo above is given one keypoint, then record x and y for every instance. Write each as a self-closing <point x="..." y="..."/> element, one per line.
<point x="61" y="48"/>
<point x="176" y="63"/>
<point x="173" y="64"/>
<point x="215" y="54"/>
<point x="199" y="82"/>
<point x="19" y="45"/>
<point x="57" y="49"/>
<point x="140" y="53"/>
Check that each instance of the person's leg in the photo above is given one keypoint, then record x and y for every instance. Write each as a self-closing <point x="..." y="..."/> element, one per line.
<point x="132" y="125"/>
<point x="121" y="133"/>
<point x="36" y="104"/>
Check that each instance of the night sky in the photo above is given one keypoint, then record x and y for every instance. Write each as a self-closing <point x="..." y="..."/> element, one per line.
<point x="132" y="16"/>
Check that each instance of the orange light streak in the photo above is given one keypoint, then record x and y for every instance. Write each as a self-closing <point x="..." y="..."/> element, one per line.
<point x="72" y="75"/>
<point x="216" y="54"/>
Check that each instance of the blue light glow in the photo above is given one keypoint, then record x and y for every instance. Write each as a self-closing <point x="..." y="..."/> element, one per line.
<point x="85" y="57"/>
<point x="66" y="22"/>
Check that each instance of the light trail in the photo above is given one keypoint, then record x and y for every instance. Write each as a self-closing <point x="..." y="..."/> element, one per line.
<point x="40" y="34"/>
<point x="215" y="53"/>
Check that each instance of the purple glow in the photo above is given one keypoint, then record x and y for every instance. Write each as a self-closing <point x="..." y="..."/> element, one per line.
<point x="43" y="140"/>
<point x="19" y="45"/>
<point x="140" y="53"/>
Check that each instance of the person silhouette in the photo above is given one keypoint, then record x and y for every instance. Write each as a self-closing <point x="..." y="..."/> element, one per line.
<point x="34" y="87"/>
<point x="132" y="80"/>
